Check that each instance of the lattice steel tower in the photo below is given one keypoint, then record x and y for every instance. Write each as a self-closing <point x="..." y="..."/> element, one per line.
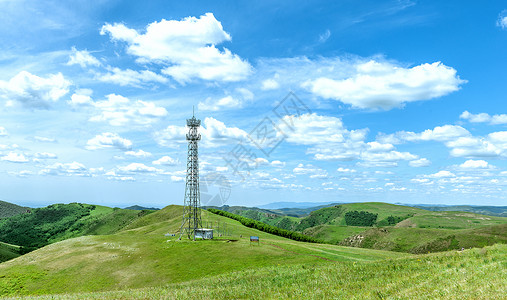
<point x="192" y="202"/>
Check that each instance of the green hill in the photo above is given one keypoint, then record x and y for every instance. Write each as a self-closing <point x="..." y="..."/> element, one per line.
<point x="57" y="222"/>
<point x="139" y="262"/>
<point x="8" y="251"/>
<point x="9" y="209"/>
<point x="397" y="227"/>
<point x="141" y="256"/>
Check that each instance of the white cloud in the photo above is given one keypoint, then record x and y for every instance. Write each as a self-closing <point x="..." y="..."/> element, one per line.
<point x="502" y="20"/>
<point x="214" y="134"/>
<point x="346" y="170"/>
<point x="484" y="118"/>
<point x="241" y="95"/>
<point x="379" y="84"/>
<point x="44" y="139"/>
<point x="308" y="169"/>
<point x="138" y="154"/>
<point x="177" y="178"/>
<point x="214" y="105"/>
<point x="3" y="132"/>
<point x="189" y="46"/>
<point x="278" y="164"/>
<point x="120" y="111"/>
<point x="82" y="58"/>
<point x="138" y="168"/>
<point x="270" y="84"/>
<point x="45" y="155"/>
<point x="67" y="169"/>
<point x="108" y="140"/>
<point x="14" y="157"/>
<point x="475" y="164"/>
<point x="33" y="91"/>
<point x="441" y="174"/>
<point x="81" y="98"/>
<point x="439" y="133"/>
<point x="165" y="160"/>
<point x="311" y="129"/>
<point x="324" y="36"/>
<point x="422" y="162"/>
<point x="131" y="77"/>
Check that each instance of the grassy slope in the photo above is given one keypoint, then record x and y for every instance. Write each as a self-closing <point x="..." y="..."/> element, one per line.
<point x="8" y="251"/>
<point x="101" y="220"/>
<point x="425" y="231"/>
<point x="471" y="274"/>
<point x="9" y="209"/>
<point x="143" y="257"/>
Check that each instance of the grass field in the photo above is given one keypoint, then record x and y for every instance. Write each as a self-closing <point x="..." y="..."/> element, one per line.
<point x="469" y="274"/>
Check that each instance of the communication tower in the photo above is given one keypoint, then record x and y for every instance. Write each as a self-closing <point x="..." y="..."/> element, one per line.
<point x="192" y="202"/>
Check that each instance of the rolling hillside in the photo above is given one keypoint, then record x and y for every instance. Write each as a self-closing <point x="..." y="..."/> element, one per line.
<point x="57" y="222"/>
<point x="139" y="262"/>
<point x="9" y="209"/>
<point x="397" y="228"/>
<point x="141" y="256"/>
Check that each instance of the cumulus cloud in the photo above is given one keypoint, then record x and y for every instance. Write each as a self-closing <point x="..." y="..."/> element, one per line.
<point x="120" y="111"/>
<point x="45" y="155"/>
<point x="278" y="164"/>
<point x="270" y="84"/>
<point x="188" y="46"/>
<point x="422" y="162"/>
<point x="82" y="58"/>
<point x="131" y="77"/>
<point x="241" y="96"/>
<point x="3" y="131"/>
<point x="138" y="154"/>
<point x="138" y="168"/>
<point x="441" y="174"/>
<point x="484" y="118"/>
<point x="309" y="169"/>
<point x="81" y="97"/>
<point x="66" y="169"/>
<point x="33" y="91"/>
<point x="108" y="140"/>
<point x="475" y="164"/>
<point x="15" y="157"/>
<point x="384" y="85"/>
<point x="166" y="161"/>
<point x="439" y="133"/>
<point x="215" y="133"/>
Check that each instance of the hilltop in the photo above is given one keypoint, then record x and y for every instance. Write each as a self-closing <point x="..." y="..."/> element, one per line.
<point x="9" y="209"/>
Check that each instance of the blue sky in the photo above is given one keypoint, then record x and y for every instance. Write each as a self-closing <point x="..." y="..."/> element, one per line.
<point x="398" y="101"/>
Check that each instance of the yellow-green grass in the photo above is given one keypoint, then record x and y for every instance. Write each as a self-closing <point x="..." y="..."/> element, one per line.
<point x="469" y="274"/>
<point x="334" y="233"/>
<point x="142" y="256"/>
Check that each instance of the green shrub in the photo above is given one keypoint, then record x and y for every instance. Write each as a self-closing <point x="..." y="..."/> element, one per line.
<point x="360" y="218"/>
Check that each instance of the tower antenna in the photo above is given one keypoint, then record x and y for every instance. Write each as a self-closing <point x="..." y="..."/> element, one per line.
<point x="192" y="201"/>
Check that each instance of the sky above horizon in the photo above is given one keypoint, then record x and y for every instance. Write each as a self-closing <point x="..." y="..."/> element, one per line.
<point x="299" y="101"/>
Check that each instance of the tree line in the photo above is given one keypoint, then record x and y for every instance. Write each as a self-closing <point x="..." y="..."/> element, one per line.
<point x="265" y="227"/>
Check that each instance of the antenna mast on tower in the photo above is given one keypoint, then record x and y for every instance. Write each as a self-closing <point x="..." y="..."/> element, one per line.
<point x="192" y="202"/>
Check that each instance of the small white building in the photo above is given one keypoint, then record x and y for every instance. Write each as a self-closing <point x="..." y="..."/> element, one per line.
<point x="204" y="233"/>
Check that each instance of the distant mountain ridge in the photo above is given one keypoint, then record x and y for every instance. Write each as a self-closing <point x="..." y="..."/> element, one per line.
<point x="137" y="207"/>
<point x="279" y="205"/>
<point x="8" y="210"/>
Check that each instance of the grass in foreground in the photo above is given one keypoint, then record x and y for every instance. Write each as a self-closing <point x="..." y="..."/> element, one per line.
<point x="470" y="274"/>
